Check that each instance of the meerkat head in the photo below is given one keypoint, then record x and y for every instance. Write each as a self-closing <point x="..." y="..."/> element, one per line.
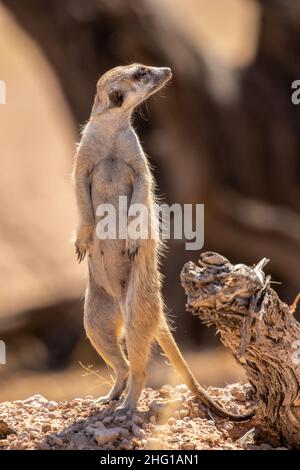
<point x="123" y="88"/>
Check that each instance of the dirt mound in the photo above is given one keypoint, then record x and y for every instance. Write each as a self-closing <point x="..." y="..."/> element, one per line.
<point x="168" y="418"/>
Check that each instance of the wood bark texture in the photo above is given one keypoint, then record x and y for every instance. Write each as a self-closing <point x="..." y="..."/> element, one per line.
<point x="260" y="330"/>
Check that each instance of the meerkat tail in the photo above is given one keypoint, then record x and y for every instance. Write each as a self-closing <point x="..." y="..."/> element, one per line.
<point x="170" y="348"/>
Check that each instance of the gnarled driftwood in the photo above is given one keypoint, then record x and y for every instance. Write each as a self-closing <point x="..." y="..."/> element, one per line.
<point x="260" y="330"/>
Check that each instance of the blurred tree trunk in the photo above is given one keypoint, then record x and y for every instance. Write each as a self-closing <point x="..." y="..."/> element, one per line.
<point x="234" y="148"/>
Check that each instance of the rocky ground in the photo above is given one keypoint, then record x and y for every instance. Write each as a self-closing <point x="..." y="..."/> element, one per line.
<point x="168" y="418"/>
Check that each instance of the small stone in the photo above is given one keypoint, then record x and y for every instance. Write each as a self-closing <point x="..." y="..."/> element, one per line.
<point x="46" y="427"/>
<point x="55" y="440"/>
<point x="210" y="422"/>
<point x="138" y="432"/>
<point x="238" y="393"/>
<point x="179" y="428"/>
<point x="165" y="391"/>
<point x="125" y="445"/>
<point x="183" y="413"/>
<point x="107" y="420"/>
<point x="165" y="410"/>
<point x="171" y="421"/>
<point x="17" y="445"/>
<point x="44" y="446"/>
<point x="137" y="419"/>
<point x="228" y="425"/>
<point x="124" y="432"/>
<point x="79" y="440"/>
<point x="120" y="419"/>
<point x="153" y="444"/>
<point x="182" y="388"/>
<point x="90" y="430"/>
<point x="51" y="405"/>
<point x="103" y="436"/>
<point x="188" y="446"/>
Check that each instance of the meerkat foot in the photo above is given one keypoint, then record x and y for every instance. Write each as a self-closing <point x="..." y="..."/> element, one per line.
<point x="115" y="392"/>
<point x="105" y="399"/>
<point x="124" y="407"/>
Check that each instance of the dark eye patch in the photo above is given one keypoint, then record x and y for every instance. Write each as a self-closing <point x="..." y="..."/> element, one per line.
<point x="140" y="73"/>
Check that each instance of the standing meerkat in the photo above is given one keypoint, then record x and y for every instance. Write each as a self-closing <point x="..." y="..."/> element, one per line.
<point x="124" y="282"/>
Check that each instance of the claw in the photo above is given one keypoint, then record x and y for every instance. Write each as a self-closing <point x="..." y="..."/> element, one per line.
<point x="132" y="254"/>
<point x="80" y="254"/>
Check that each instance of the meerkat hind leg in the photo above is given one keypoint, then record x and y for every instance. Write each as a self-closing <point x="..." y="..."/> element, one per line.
<point x="103" y="323"/>
<point x="140" y="335"/>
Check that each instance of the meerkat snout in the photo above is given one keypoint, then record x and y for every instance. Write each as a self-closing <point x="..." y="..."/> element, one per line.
<point x="166" y="72"/>
<point x="161" y="75"/>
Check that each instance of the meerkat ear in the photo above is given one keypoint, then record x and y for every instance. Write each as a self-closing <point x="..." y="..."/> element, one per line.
<point x="116" y="98"/>
<point x="96" y="104"/>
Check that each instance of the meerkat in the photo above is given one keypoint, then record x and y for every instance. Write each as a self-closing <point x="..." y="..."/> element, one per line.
<point x="124" y="280"/>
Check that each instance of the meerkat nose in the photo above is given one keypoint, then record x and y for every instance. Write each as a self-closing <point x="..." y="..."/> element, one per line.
<point x="167" y="71"/>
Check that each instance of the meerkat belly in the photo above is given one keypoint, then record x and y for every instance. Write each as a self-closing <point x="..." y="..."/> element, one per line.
<point x="111" y="180"/>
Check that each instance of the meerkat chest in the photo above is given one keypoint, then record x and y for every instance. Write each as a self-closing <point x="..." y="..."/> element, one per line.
<point x="111" y="176"/>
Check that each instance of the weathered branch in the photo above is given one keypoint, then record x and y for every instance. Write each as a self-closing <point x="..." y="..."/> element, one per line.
<point x="259" y="329"/>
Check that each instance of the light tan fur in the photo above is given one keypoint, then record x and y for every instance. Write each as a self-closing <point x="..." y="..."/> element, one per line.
<point x="124" y="285"/>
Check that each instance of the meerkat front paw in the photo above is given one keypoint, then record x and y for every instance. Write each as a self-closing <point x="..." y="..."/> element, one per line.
<point x="81" y="250"/>
<point x="132" y="248"/>
<point x="83" y="240"/>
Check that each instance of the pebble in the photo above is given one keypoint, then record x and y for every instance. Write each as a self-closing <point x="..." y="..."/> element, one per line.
<point x="55" y="440"/>
<point x="103" y="436"/>
<point x="138" y="432"/>
<point x="120" y="419"/>
<point x="181" y="388"/>
<point x="183" y="413"/>
<point x="188" y="446"/>
<point x="125" y="445"/>
<point x="107" y="420"/>
<point x="137" y="419"/>
<point x="164" y="410"/>
<point x="154" y="444"/>
<point x="171" y="421"/>
<point x="51" y="405"/>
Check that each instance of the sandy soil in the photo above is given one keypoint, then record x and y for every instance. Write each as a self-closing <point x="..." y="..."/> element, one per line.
<point x="168" y="418"/>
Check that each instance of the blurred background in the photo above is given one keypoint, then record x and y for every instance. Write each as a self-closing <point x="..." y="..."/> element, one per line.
<point x="224" y="133"/>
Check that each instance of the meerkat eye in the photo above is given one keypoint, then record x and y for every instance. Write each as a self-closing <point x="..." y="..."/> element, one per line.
<point x="141" y="73"/>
